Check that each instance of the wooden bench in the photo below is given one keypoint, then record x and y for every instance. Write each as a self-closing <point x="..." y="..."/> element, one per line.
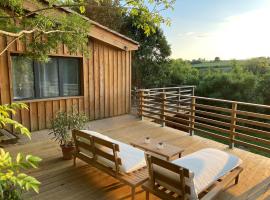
<point x="164" y="191"/>
<point x="93" y="150"/>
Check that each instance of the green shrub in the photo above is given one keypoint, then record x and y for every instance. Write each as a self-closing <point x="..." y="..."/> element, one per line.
<point x="12" y="181"/>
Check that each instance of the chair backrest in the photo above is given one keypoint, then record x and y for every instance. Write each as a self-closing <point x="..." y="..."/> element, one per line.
<point x="83" y="144"/>
<point x="102" y="151"/>
<point x="168" y="175"/>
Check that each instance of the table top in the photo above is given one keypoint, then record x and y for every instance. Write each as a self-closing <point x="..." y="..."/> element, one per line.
<point x="168" y="151"/>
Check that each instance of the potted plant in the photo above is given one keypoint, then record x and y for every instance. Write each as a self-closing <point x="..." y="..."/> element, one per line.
<point x="62" y="126"/>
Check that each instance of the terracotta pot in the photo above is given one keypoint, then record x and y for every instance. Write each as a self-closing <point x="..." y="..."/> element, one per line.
<point x="67" y="152"/>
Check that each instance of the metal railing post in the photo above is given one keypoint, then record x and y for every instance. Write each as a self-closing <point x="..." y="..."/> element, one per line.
<point x="192" y="116"/>
<point x="179" y="98"/>
<point x="162" y="109"/>
<point x="232" y="126"/>
<point x="141" y="102"/>
<point x="135" y="96"/>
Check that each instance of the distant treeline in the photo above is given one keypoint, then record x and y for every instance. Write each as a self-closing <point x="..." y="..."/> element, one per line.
<point x="225" y="65"/>
<point x="247" y="80"/>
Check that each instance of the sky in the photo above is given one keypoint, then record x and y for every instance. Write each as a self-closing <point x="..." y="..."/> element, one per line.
<point x="229" y="29"/>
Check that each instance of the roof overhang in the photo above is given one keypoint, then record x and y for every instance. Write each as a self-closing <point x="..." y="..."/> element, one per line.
<point x="97" y="31"/>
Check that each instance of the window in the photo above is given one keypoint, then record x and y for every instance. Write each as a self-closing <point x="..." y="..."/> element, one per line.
<point x="57" y="78"/>
<point x="48" y="79"/>
<point x="69" y="68"/>
<point x="23" y="78"/>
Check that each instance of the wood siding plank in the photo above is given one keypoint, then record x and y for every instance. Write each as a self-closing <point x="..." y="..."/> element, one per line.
<point x="75" y="106"/>
<point x="4" y="74"/>
<point x="33" y="116"/>
<point x="62" y="105"/>
<point x="107" y="79"/>
<point x="102" y="80"/>
<point x="123" y="88"/>
<point x="119" y="80"/>
<point x="111" y="81"/>
<point x="128" y="87"/>
<point x="41" y="115"/>
<point x="97" y="83"/>
<point x="56" y="108"/>
<point x="49" y="113"/>
<point x="91" y="82"/>
<point x="115" y="78"/>
<point x="69" y="106"/>
<point x="85" y="87"/>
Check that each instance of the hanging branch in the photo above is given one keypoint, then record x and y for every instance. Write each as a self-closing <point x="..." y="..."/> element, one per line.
<point x="23" y="32"/>
<point x="44" y="9"/>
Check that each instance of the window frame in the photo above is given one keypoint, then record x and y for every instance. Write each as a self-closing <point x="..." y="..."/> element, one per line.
<point x="37" y="95"/>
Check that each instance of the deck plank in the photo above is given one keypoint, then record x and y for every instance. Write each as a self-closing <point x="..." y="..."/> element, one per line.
<point x="60" y="180"/>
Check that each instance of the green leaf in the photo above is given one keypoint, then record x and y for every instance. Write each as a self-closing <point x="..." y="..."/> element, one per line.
<point x="82" y="9"/>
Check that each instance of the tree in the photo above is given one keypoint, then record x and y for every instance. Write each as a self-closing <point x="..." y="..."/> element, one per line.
<point x="217" y="59"/>
<point x="257" y="65"/>
<point x="150" y="62"/>
<point x="238" y="85"/>
<point x="263" y="88"/>
<point x="182" y="73"/>
<point x="107" y="13"/>
<point x="70" y="29"/>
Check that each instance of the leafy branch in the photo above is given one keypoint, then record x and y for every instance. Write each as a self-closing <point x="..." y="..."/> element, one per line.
<point x="5" y="117"/>
<point x="11" y="177"/>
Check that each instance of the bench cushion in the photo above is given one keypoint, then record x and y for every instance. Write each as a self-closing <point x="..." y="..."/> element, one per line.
<point x="132" y="158"/>
<point x="206" y="167"/>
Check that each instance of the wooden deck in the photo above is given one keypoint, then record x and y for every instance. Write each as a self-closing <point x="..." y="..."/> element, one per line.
<point x="60" y="180"/>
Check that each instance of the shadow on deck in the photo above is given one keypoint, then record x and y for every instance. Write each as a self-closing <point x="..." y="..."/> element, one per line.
<point x="60" y="180"/>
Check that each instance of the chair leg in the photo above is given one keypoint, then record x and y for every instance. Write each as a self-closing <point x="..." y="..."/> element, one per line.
<point x="236" y="179"/>
<point x="133" y="193"/>
<point x="146" y="195"/>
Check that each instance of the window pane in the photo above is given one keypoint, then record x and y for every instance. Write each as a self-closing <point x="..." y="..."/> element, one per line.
<point x="70" y="71"/>
<point x="48" y="79"/>
<point x="23" y="78"/>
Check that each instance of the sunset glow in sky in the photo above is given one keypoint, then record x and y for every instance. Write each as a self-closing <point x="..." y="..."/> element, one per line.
<point x="226" y="28"/>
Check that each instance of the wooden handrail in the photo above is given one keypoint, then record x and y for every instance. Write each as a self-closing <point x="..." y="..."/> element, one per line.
<point x="218" y="118"/>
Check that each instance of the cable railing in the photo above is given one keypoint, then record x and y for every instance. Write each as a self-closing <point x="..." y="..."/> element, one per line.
<point x="240" y="124"/>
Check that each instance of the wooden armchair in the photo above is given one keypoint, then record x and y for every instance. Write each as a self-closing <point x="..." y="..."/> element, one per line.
<point x="170" y="181"/>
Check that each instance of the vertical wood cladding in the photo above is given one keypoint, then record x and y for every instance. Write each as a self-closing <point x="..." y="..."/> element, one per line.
<point x="105" y="85"/>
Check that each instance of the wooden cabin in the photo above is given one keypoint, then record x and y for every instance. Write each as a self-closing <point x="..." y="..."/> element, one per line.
<point x="98" y="85"/>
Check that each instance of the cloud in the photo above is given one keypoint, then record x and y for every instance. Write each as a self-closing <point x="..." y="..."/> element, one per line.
<point x="238" y="36"/>
<point x="245" y="35"/>
<point x="195" y="34"/>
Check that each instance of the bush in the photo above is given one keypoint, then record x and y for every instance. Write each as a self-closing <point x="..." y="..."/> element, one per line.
<point x="12" y="181"/>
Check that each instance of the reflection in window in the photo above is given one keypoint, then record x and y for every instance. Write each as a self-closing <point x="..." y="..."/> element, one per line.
<point x="23" y="78"/>
<point x="48" y="79"/>
<point x="70" y="73"/>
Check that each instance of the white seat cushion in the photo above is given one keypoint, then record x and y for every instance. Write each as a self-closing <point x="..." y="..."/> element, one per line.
<point x="132" y="158"/>
<point x="206" y="167"/>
